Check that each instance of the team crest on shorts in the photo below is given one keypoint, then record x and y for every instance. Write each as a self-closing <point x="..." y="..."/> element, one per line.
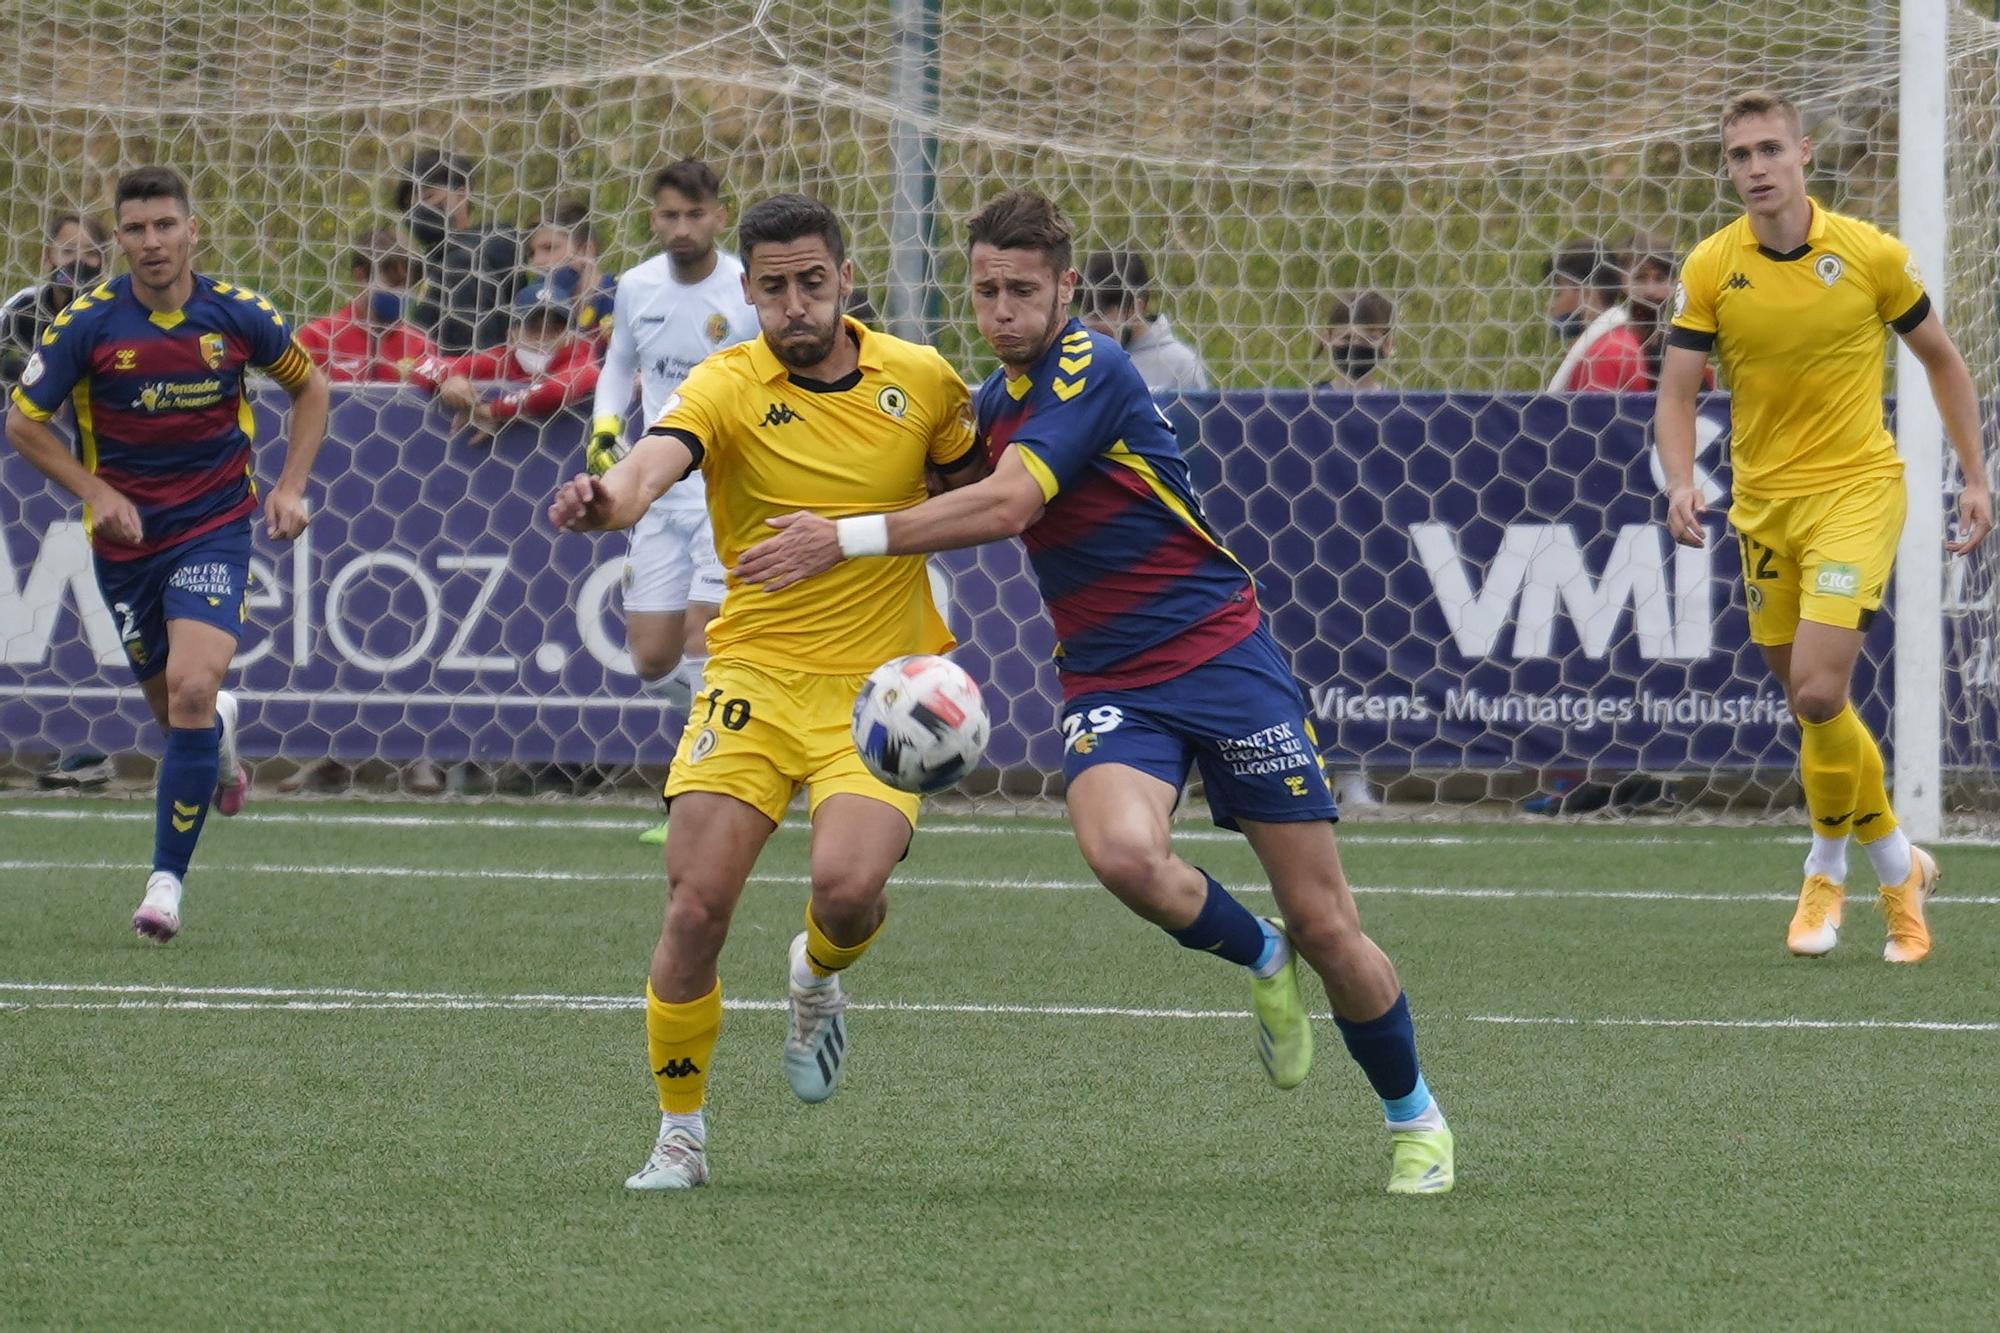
<point x="704" y="746"/>
<point x="1829" y="268"/>
<point x="717" y="328"/>
<point x="212" y="349"/>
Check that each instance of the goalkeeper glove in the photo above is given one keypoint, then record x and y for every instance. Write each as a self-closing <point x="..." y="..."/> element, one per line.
<point x="605" y="447"/>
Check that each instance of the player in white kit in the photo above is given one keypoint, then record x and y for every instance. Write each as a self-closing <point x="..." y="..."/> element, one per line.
<point x="673" y="310"/>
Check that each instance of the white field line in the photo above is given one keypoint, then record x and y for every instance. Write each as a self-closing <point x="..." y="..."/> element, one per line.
<point x="1816" y="1024"/>
<point x="504" y="874"/>
<point x="997" y="826"/>
<point x="323" y="999"/>
<point x="320" y="998"/>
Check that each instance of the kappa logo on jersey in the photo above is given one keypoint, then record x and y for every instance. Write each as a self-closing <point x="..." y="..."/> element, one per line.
<point x="125" y="358"/>
<point x="1737" y="281"/>
<point x="893" y="401"/>
<point x="1829" y="268"/>
<point x="212" y="349"/>
<point x="717" y="328"/>
<point x="781" y="414"/>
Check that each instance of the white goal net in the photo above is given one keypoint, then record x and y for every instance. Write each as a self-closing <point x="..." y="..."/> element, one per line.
<point x="1466" y="567"/>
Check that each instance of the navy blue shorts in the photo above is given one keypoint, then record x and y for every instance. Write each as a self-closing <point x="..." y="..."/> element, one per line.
<point x="205" y="579"/>
<point x="1239" y="716"/>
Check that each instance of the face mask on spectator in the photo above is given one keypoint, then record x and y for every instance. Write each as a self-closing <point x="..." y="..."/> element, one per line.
<point x="427" y="226"/>
<point x="80" y="274"/>
<point x="385" y="307"/>
<point x="1355" y="360"/>
<point x="534" y="360"/>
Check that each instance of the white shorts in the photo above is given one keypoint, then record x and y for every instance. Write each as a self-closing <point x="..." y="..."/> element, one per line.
<point x="672" y="562"/>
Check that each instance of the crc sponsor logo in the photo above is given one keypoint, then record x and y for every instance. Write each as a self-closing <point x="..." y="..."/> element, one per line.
<point x="1836" y="580"/>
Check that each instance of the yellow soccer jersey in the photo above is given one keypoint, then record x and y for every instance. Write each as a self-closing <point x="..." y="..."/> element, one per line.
<point x="771" y="444"/>
<point x="1800" y="340"/>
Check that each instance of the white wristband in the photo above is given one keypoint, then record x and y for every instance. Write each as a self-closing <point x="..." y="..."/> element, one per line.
<point x="864" y="534"/>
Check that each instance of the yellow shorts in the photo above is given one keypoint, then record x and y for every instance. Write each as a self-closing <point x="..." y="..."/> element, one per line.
<point x="1824" y="558"/>
<point x="759" y="733"/>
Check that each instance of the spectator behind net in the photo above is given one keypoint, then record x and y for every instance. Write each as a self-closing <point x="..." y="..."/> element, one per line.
<point x="1116" y="296"/>
<point x="1586" y="305"/>
<point x="1359" y="337"/>
<point x="72" y="261"/>
<point x="563" y="252"/>
<point x="371" y="338"/>
<point x="469" y="268"/>
<point x="550" y="365"/>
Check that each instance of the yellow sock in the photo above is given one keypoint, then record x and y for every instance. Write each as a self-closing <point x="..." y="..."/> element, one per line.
<point x="1873" y="818"/>
<point x="825" y="957"/>
<point x="680" y="1038"/>
<point x="1830" y="770"/>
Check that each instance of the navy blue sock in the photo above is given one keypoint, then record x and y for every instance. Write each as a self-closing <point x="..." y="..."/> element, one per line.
<point x="1226" y="928"/>
<point x="1386" y="1050"/>
<point x="187" y="780"/>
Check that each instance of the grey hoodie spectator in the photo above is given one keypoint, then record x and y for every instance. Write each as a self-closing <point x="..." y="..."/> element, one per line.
<point x="1116" y="291"/>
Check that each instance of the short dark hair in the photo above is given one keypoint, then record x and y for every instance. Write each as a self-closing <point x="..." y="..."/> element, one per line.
<point x="1365" y="309"/>
<point x="151" y="183"/>
<point x="90" y="227"/>
<point x="376" y="249"/>
<point x="1588" y="264"/>
<point x="572" y="216"/>
<point x="432" y="168"/>
<point x="691" y="177"/>
<point x="1115" y="278"/>
<point x="789" y="217"/>
<point x="1023" y="220"/>
<point x="1649" y="252"/>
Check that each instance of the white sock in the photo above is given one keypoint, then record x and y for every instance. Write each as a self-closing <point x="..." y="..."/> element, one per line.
<point x="804" y="976"/>
<point x="1279" y="957"/>
<point x="1432" y="1118"/>
<point x="1828" y="857"/>
<point x="694" y="1122"/>
<point x="1891" y="858"/>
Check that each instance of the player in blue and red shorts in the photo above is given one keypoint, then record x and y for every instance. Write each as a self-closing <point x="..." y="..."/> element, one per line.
<point x="153" y="364"/>
<point x="1166" y="665"/>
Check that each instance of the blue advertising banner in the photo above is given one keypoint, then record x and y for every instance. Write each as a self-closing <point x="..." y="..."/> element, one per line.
<point x="1464" y="581"/>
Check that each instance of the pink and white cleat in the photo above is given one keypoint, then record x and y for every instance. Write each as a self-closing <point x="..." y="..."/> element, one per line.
<point x="159" y="916"/>
<point x="234" y="787"/>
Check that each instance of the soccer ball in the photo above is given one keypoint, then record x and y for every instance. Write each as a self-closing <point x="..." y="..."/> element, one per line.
<point x="919" y="723"/>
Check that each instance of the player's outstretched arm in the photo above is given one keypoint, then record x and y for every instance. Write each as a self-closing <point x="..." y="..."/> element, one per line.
<point x="1673" y="435"/>
<point x="285" y="515"/>
<point x="1958" y="405"/>
<point x="1003" y="505"/>
<point x="113" y="517"/>
<point x="621" y="496"/>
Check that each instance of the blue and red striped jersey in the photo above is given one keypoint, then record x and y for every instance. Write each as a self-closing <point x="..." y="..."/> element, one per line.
<point x="161" y="414"/>
<point x="1138" y="585"/>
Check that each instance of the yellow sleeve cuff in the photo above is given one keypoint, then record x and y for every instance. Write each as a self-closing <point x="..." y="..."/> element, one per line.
<point x="1039" y="470"/>
<point x="28" y="409"/>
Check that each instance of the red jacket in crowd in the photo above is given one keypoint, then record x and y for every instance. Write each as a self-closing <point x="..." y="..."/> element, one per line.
<point x="570" y="378"/>
<point x="351" y="352"/>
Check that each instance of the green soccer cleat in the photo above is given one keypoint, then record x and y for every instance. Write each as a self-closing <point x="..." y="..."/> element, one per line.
<point x="655" y="836"/>
<point x="1423" y="1161"/>
<point x="1284" y="1032"/>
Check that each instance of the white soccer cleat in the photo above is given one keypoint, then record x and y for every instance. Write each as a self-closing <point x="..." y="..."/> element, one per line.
<point x="233" y="786"/>
<point x="159" y="916"/>
<point x="679" y="1162"/>
<point x="816" y="1046"/>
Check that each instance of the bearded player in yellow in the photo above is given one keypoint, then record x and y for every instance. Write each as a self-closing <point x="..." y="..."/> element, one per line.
<point x="1795" y="303"/>
<point x="823" y="414"/>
